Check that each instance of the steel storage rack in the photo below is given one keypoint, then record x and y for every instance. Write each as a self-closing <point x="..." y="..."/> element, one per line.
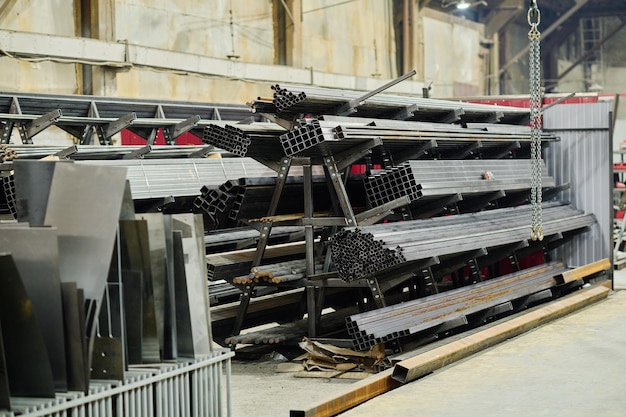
<point x="357" y="132"/>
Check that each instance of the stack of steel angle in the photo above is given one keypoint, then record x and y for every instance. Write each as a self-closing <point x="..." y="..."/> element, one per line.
<point x="425" y="178"/>
<point x="365" y="251"/>
<point x="400" y="320"/>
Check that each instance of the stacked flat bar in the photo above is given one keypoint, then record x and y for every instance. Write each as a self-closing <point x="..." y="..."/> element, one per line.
<point x="427" y="178"/>
<point x="390" y="323"/>
<point x="297" y="100"/>
<point x="361" y="252"/>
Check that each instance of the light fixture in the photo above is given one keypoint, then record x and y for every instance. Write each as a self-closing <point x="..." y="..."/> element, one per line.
<point x="463" y="4"/>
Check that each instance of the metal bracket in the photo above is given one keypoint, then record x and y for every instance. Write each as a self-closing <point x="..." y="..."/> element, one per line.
<point x="377" y="294"/>
<point x="106" y="131"/>
<point x="453" y="116"/>
<point x="340" y="190"/>
<point x="405" y="113"/>
<point x="467" y="150"/>
<point x="28" y="130"/>
<point x="281" y="179"/>
<point x="415" y="153"/>
<point x="65" y="153"/>
<point x="138" y="153"/>
<point x="366" y="217"/>
<point x="202" y="153"/>
<point x="172" y="133"/>
<point x="356" y="153"/>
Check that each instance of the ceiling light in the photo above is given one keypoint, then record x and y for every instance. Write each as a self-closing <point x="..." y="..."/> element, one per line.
<point x="462" y="5"/>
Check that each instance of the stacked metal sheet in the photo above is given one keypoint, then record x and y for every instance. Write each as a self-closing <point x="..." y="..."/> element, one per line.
<point x="390" y="323"/>
<point x="425" y="178"/>
<point x="369" y="250"/>
<point x="296" y="100"/>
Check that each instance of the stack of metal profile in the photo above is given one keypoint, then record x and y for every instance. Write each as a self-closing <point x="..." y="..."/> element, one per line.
<point x="153" y="178"/>
<point x="400" y="320"/>
<point x="290" y="101"/>
<point x="406" y="140"/>
<point x="254" y="139"/>
<point x="361" y="252"/>
<point x="283" y="98"/>
<point x="427" y="178"/>
<point x="216" y="203"/>
<point x="97" y="152"/>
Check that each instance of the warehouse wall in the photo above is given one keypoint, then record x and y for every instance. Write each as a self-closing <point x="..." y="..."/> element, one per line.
<point x="453" y="56"/>
<point x="333" y="38"/>
<point x="34" y="16"/>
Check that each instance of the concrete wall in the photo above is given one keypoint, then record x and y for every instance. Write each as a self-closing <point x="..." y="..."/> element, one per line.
<point x="452" y="55"/>
<point x="353" y="38"/>
<point x="34" y="16"/>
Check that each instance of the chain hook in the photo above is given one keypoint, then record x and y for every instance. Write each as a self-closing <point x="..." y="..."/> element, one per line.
<point x="534" y="15"/>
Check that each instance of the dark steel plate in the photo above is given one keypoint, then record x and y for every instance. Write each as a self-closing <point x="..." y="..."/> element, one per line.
<point x="35" y="252"/>
<point x="5" y="396"/>
<point x="75" y="339"/>
<point x="28" y="366"/>
<point x="32" y="188"/>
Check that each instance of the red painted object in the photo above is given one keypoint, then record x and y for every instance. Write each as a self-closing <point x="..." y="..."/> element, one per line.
<point x="129" y="138"/>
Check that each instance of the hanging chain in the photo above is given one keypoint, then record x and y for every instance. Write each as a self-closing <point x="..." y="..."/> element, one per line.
<point x="534" y="36"/>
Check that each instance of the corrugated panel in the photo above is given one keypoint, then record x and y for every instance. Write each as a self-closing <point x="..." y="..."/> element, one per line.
<point x="583" y="158"/>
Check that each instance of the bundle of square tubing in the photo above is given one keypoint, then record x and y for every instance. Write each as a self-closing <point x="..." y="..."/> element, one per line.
<point x="399" y="137"/>
<point x="258" y="138"/>
<point x="295" y="100"/>
<point x="361" y="252"/>
<point x="400" y="320"/>
<point x="427" y="178"/>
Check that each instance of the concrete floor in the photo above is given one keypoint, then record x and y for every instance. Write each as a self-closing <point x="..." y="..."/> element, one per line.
<point x="574" y="366"/>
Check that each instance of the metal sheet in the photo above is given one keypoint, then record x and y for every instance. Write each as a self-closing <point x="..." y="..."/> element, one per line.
<point x="133" y="306"/>
<point x="158" y="272"/>
<point x="196" y="277"/>
<point x="29" y="371"/>
<point x="84" y="205"/>
<point x="107" y="357"/>
<point x="170" y="340"/>
<point x="35" y="252"/>
<point x="5" y="398"/>
<point x="128" y="207"/>
<point x="183" y="318"/>
<point x="32" y="188"/>
<point x="74" y="338"/>
<point x="136" y="257"/>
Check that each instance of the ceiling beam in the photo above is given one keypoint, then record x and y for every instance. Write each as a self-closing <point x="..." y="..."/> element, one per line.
<point x="553" y="27"/>
<point x="502" y="15"/>
<point x="591" y="51"/>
